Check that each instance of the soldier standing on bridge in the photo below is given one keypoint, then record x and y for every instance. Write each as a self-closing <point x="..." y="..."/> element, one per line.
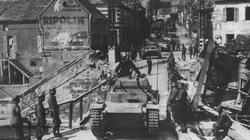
<point x="54" y="111"/>
<point x="183" y="52"/>
<point x="41" y="117"/>
<point x="149" y="62"/>
<point x="16" y="119"/>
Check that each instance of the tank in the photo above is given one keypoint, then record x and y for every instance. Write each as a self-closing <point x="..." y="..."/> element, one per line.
<point x="130" y="106"/>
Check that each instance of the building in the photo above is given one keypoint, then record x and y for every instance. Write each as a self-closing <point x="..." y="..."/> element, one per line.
<point x="73" y="25"/>
<point x="37" y="37"/>
<point x="19" y="40"/>
<point x="230" y="18"/>
<point x="151" y="7"/>
<point x="127" y="23"/>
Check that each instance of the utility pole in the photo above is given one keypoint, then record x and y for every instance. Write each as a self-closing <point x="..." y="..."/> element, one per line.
<point x="112" y="36"/>
<point x="202" y="20"/>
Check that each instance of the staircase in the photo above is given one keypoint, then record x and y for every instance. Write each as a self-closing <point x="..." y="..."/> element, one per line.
<point x="15" y="63"/>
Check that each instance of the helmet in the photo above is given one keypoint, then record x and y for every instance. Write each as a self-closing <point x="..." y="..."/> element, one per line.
<point x="174" y="84"/>
<point x="16" y="98"/>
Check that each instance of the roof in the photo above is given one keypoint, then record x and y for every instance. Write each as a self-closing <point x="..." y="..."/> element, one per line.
<point x="96" y="14"/>
<point x="3" y="6"/>
<point x="20" y="10"/>
<point x="231" y="1"/>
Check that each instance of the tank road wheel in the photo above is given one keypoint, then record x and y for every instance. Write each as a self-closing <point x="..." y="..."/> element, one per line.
<point x="96" y="119"/>
<point x="152" y="122"/>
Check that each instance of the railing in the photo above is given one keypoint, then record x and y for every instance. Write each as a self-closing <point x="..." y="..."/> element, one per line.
<point x="56" y="80"/>
<point x="81" y="105"/>
<point x="78" y="108"/>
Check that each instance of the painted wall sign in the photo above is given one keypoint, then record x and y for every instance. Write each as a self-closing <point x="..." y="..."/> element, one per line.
<point x="65" y="25"/>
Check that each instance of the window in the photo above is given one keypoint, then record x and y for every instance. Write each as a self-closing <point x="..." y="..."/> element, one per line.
<point x="230" y="14"/>
<point x="229" y="37"/>
<point x="247" y="13"/>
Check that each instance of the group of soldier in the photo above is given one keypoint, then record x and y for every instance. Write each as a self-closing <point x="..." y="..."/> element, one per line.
<point x="178" y="103"/>
<point x="40" y="112"/>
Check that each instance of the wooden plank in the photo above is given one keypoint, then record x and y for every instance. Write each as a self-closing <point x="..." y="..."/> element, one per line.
<point x="203" y="77"/>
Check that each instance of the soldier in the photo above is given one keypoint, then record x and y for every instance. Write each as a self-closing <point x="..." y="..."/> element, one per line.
<point x="54" y="111"/>
<point x="171" y="61"/>
<point x="16" y="119"/>
<point x="125" y="68"/>
<point x="196" y="50"/>
<point x="182" y="109"/>
<point x="41" y="117"/>
<point x="183" y="52"/>
<point x="191" y="51"/>
<point x="173" y="94"/>
<point x="149" y="62"/>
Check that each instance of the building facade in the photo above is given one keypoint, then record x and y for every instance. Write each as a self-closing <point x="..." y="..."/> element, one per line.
<point x="37" y="37"/>
<point x="73" y="25"/>
<point x="19" y="41"/>
<point x="230" y="18"/>
<point x="127" y="23"/>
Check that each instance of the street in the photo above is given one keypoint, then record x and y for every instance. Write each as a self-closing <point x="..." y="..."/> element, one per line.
<point x="158" y="81"/>
<point x="125" y="69"/>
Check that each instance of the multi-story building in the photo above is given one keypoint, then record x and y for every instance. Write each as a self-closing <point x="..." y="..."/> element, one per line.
<point x="127" y="23"/>
<point x="230" y="18"/>
<point x="151" y="7"/>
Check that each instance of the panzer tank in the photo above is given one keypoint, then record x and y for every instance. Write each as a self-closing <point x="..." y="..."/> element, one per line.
<point x="131" y="104"/>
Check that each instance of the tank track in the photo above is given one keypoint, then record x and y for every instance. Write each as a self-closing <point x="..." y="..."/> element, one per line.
<point x="152" y="121"/>
<point x="96" y="119"/>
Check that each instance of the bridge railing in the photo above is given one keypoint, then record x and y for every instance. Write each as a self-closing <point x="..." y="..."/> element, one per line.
<point x="73" y="112"/>
<point x="57" y="79"/>
<point x="78" y="108"/>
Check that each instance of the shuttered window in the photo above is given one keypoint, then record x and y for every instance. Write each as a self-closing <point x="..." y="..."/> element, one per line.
<point x="230" y="14"/>
<point x="224" y="16"/>
<point x="236" y="14"/>
<point x="5" y="46"/>
<point x="247" y="13"/>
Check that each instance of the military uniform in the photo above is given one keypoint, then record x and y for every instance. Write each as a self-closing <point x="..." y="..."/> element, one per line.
<point x="180" y="109"/>
<point x="54" y="112"/>
<point x="149" y="62"/>
<point x="171" y="61"/>
<point x="173" y="95"/>
<point x="41" y="118"/>
<point x="16" y="119"/>
<point x="125" y="68"/>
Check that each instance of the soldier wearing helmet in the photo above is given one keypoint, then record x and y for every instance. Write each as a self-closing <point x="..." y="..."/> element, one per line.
<point x="125" y="68"/>
<point x="16" y="119"/>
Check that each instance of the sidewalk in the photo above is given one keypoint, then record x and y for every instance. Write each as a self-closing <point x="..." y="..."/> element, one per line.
<point x="189" y="68"/>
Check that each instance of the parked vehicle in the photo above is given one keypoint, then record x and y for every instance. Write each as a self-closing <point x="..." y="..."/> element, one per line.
<point x="151" y="51"/>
